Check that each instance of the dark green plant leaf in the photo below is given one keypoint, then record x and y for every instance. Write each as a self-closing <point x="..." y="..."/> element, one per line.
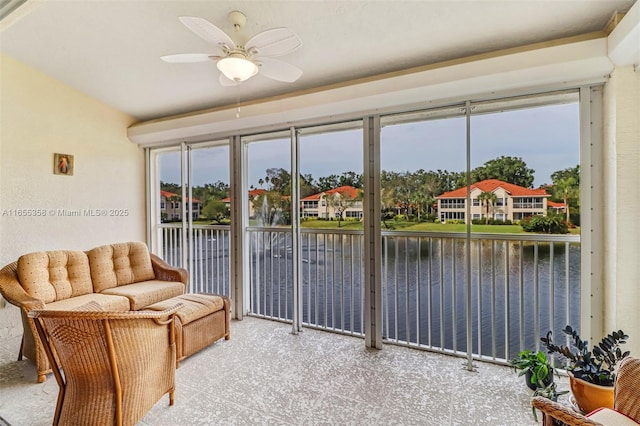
<point x="595" y="367"/>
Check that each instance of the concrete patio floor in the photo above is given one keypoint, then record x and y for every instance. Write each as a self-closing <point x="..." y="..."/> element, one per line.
<point x="266" y="375"/>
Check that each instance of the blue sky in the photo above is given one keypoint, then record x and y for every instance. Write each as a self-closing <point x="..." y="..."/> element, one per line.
<point x="546" y="138"/>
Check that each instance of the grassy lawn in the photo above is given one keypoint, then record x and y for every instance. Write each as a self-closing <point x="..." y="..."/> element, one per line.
<point x="447" y="227"/>
<point x="331" y="224"/>
<point x="394" y="225"/>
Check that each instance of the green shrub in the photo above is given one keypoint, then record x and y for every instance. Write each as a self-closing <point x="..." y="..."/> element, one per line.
<point x="544" y="224"/>
<point x="493" y="221"/>
<point x="575" y="218"/>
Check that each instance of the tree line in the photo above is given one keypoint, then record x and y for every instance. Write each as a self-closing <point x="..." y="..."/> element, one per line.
<point x="412" y="193"/>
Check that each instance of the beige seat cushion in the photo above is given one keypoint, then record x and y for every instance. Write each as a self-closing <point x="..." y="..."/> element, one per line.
<point x="55" y="275"/>
<point x="91" y="307"/>
<point x="119" y="264"/>
<point x="195" y="306"/>
<point x="147" y="293"/>
<point x="609" y="417"/>
<point x="106" y="302"/>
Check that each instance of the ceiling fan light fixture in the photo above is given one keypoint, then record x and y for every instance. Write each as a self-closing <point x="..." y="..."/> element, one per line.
<point x="237" y="68"/>
<point x="239" y="63"/>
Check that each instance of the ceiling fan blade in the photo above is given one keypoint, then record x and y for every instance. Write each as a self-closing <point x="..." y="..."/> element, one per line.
<point x="224" y="81"/>
<point x="273" y="42"/>
<point x="185" y="58"/>
<point x="278" y="70"/>
<point x="207" y="31"/>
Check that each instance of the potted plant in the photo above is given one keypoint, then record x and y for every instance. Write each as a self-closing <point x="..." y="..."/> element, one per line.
<point x="549" y="392"/>
<point x="535" y="367"/>
<point x="591" y="373"/>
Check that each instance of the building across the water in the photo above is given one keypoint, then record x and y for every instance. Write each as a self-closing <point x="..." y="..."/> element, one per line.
<point x="507" y="202"/>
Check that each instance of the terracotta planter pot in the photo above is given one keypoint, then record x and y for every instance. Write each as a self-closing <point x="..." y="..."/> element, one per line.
<point x="589" y="396"/>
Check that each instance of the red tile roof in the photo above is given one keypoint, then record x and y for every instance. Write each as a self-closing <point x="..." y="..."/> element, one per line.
<point x="490" y="185"/>
<point x="349" y="191"/>
<point x="252" y="194"/>
<point x="553" y="204"/>
<point x="168" y="195"/>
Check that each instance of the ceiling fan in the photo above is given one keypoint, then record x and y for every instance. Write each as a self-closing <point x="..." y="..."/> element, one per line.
<point x="238" y="63"/>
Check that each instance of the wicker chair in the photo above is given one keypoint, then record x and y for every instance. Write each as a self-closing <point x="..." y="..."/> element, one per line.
<point x="117" y="365"/>
<point x="626" y="402"/>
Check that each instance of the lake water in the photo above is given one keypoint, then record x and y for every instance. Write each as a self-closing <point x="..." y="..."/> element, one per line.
<point x="519" y="290"/>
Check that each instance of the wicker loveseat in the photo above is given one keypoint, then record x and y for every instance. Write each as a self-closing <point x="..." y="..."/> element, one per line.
<point x="118" y="277"/>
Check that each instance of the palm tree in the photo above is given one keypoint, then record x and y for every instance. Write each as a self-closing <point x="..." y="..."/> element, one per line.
<point x="387" y="199"/>
<point x="488" y="198"/>
<point x="566" y="189"/>
<point x="425" y="194"/>
<point x="359" y="198"/>
<point x="338" y="201"/>
<point x="341" y="201"/>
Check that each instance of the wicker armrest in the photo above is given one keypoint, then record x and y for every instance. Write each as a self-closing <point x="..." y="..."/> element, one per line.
<point x="13" y="292"/>
<point x="164" y="271"/>
<point x="106" y="315"/>
<point x="561" y="412"/>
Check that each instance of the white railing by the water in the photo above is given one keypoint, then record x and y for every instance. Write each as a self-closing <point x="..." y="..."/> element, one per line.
<point x="331" y="273"/>
<point x="209" y="267"/>
<point x="521" y="284"/>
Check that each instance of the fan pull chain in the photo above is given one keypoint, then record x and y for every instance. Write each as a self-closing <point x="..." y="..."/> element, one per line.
<point x="238" y="100"/>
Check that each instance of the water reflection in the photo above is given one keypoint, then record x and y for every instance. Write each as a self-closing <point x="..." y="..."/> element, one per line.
<point x="519" y="289"/>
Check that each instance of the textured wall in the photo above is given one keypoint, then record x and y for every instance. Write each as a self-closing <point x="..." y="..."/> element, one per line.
<point x="622" y="221"/>
<point x="40" y="116"/>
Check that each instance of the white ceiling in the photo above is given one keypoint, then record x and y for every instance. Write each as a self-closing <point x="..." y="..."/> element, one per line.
<point x="110" y="49"/>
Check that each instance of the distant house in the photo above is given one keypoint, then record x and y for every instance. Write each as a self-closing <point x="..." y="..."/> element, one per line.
<point x="320" y="206"/>
<point x="558" y="207"/>
<point x="253" y="194"/>
<point x="512" y="202"/>
<point x="170" y="208"/>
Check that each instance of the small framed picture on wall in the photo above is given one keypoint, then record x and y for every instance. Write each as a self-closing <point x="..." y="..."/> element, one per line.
<point x="63" y="164"/>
